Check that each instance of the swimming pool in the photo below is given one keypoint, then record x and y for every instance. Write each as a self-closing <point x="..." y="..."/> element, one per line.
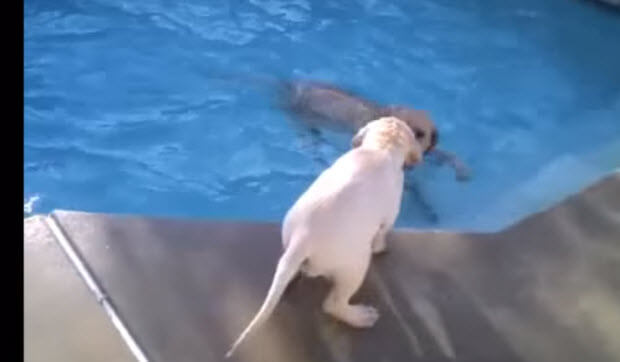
<point x="122" y="113"/>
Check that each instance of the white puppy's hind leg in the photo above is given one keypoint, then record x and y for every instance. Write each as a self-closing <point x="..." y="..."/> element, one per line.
<point x="346" y="281"/>
<point x="309" y="270"/>
<point x="378" y="242"/>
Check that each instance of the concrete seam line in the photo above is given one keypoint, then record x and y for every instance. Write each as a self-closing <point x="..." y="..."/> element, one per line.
<point x="101" y="297"/>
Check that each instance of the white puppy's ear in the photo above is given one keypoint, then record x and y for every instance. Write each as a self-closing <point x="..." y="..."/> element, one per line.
<point x="359" y="137"/>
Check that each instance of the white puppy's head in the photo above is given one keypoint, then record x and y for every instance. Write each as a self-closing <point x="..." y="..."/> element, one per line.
<point x="390" y="133"/>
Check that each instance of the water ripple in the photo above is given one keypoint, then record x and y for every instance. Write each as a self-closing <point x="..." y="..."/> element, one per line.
<point x="123" y="112"/>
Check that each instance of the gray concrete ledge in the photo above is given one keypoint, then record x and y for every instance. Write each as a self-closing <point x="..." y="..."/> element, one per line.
<point x="544" y="289"/>
<point x="62" y="320"/>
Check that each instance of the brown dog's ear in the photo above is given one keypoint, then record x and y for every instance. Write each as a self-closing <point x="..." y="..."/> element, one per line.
<point x="414" y="154"/>
<point x="359" y="137"/>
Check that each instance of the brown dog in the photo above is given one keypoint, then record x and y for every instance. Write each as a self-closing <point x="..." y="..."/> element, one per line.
<point x="323" y="105"/>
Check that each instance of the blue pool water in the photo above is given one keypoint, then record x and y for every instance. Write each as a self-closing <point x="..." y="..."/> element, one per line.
<point x="123" y="114"/>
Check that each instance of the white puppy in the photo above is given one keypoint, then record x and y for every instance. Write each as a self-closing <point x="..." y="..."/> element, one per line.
<point x="335" y="226"/>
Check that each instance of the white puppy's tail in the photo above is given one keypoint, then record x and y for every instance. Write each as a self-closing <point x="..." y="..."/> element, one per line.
<point x="288" y="266"/>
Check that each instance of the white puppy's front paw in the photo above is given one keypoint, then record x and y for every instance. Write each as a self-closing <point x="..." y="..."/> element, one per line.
<point x="379" y="243"/>
<point x="379" y="246"/>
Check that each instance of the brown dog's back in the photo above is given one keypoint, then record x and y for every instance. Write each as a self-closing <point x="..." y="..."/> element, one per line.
<point x="320" y="104"/>
<point x="333" y="106"/>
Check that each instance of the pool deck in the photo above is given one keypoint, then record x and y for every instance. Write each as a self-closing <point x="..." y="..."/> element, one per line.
<point x="124" y="288"/>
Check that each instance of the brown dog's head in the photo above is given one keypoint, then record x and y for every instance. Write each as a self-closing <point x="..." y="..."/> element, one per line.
<point x="422" y="127"/>
<point x="390" y="133"/>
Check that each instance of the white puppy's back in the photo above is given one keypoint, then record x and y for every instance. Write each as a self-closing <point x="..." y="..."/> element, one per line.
<point x="346" y="202"/>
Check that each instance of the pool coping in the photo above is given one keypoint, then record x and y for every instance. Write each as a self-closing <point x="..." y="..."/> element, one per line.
<point x="81" y="264"/>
